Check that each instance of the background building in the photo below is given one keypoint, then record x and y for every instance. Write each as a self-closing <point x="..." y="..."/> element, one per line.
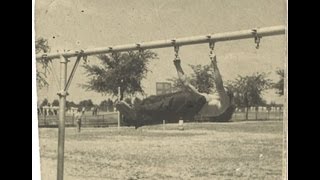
<point x="163" y="88"/>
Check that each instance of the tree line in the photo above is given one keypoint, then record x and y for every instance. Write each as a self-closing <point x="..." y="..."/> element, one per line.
<point x="126" y="70"/>
<point x="105" y="105"/>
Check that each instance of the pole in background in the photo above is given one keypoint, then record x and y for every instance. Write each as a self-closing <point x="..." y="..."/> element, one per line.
<point x="119" y="115"/>
<point x="62" y="103"/>
<point x="164" y="124"/>
<point x="181" y="128"/>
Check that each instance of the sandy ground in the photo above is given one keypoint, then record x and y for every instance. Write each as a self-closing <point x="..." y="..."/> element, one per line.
<point x="238" y="150"/>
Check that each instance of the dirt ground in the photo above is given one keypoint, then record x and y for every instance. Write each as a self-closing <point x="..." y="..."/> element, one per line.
<point x="238" y="150"/>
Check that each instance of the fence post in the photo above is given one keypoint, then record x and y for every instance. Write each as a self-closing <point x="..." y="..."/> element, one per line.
<point x="181" y="124"/>
<point x="119" y="114"/>
<point x="163" y="124"/>
<point x="72" y="119"/>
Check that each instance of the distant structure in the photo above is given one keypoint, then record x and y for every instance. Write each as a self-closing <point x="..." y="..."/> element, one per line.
<point x="49" y="110"/>
<point x="72" y="110"/>
<point x="163" y="88"/>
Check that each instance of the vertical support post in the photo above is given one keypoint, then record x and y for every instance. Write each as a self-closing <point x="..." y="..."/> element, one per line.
<point x="119" y="115"/>
<point x="163" y="124"/>
<point x="181" y="124"/>
<point x="62" y="104"/>
<point x="72" y="119"/>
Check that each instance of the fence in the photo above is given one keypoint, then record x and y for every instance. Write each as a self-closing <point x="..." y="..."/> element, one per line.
<point x="252" y="116"/>
<point x="103" y="120"/>
<point x="258" y="115"/>
<point x="111" y="119"/>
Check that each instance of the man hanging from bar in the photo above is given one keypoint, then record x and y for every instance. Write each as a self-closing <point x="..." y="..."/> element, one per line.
<point x="185" y="104"/>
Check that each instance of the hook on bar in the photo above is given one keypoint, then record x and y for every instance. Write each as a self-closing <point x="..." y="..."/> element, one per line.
<point x="256" y="38"/>
<point x="176" y="48"/>
<point x="140" y="50"/>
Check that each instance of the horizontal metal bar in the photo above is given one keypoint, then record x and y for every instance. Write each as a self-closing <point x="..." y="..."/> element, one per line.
<point x="226" y="36"/>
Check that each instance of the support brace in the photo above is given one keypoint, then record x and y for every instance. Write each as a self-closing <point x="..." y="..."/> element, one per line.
<point x="80" y="54"/>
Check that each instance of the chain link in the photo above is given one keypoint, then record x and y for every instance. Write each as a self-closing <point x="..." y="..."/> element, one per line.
<point x="176" y="50"/>
<point x="211" y="46"/>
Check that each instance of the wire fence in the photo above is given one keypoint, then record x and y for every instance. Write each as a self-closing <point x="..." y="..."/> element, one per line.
<point x="111" y="119"/>
<point x="103" y="120"/>
<point x="258" y="115"/>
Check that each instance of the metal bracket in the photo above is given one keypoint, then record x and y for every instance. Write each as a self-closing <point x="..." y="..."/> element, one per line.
<point x="44" y="56"/>
<point x="80" y="54"/>
<point x="256" y="38"/>
<point x="63" y="93"/>
<point x="176" y="48"/>
<point x="140" y="50"/>
<point x="111" y="50"/>
<point x="138" y="46"/>
<point x="211" y="46"/>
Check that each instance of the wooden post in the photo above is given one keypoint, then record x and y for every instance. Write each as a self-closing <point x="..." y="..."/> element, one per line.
<point x="181" y="124"/>
<point x="163" y="124"/>
<point x="119" y="115"/>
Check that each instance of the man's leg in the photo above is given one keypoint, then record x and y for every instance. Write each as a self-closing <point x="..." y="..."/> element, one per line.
<point x="217" y="76"/>
<point x="181" y="75"/>
<point x="224" y="97"/>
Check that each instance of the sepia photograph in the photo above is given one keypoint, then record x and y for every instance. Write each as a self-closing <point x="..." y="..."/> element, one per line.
<point x="161" y="89"/>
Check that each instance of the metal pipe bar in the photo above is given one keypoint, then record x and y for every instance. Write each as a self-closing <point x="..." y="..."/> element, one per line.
<point x="217" y="37"/>
<point x="62" y="111"/>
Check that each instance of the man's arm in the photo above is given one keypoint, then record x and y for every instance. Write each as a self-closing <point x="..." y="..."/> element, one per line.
<point x="182" y="76"/>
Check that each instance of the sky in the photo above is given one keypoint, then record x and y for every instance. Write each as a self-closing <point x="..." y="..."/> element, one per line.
<point x="84" y="24"/>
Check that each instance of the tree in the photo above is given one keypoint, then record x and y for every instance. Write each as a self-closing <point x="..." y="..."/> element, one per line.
<point x="87" y="104"/>
<point x="124" y="70"/>
<point x="128" y="100"/>
<point x="45" y="102"/>
<point x="137" y="102"/>
<point x="110" y="105"/>
<point x="248" y="90"/>
<point x="103" y="106"/>
<point x="41" y="45"/>
<point x="201" y="78"/>
<point x="55" y="102"/>
<point x="106" y="105"/>
<point x="280" y="84"/>
<point x="70" y="104"/>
